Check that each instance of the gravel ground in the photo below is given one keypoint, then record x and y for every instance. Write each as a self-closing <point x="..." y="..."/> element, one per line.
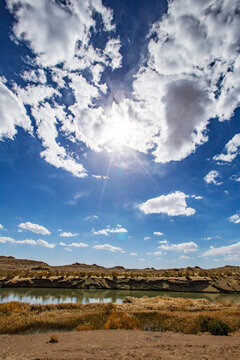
<point x="119" y="344"/>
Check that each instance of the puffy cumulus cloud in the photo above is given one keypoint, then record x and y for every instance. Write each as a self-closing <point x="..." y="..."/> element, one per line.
<point x="133" y="254"/>
<point x="230" y="250"/>
<point x="39" y="242"/>
<point x="158" y="233"/>
<point x="211" y="177"/>
<point x="231" y="150"/>
<point x="185" y="247"/>
<point x="173" y="204"/>
<point x="1" y="227"/>
<point x="68" y="234"/>
<point x="35" y="228"/>
<point x="65" y="37"/>
<point x="146" y="237"/>
<point x="63" y="26"/>
<point x="12" y="113"/>
<point x="35" y="76"/>
<point x="234" y="219"/>
<point x="190" y="75"/>
<point x="108" y="230"/>
<point x="5" y="239"/>
<point x="109" y="248"/>
<point x="46" y="117"/>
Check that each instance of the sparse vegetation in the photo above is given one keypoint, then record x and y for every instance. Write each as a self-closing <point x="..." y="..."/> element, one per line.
<point x="122" y="320"/>
<point x="54" y="339"/>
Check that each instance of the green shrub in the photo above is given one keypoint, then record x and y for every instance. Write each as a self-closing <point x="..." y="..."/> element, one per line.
<point x="214" y="326"/>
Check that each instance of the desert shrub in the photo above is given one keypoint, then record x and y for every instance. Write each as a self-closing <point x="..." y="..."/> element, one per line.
<point x="121" y="320"/>
<point x="13" y="307"/>
<point x="54" y="339"/>
<point x="85" y="327"/>
<point x="214" y="326"/>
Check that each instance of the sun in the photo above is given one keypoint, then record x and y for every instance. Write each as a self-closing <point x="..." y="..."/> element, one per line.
<point x="118" y="135"/>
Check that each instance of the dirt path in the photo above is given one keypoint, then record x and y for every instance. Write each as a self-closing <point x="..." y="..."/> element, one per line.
<point x="119" y="344"/>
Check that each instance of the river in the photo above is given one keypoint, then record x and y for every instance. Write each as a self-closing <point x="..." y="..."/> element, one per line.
<point x="86" y="296"/>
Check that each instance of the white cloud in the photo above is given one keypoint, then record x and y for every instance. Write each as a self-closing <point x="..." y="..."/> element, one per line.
<point x="230" y="250"/>
<point x="157" y="253"/>
<point x="173" y="204"/>
<point x="12" y="114"/>
<point x="185" y="247"/>
<point x="1" y="227"/>
<point x="146" y="238"/>
<point x="45" y="244"/>
<point x="35" y="76"/>
<point x="27" y="242"/>
<point x="46" y="118"/>
<point x="35" y="228"/>
<point x="196" y="197"/>
<point x="5" y="239"/>
<point x="184" y="257"/>
<point x="142" y="259"/>
<point x="76" y="198"/>
<point x="61" y="26"/>
<point x="68" y="234"/>
<point x="108" y="230"/>
<point x="158" y="233"/>
<point x="207" y="238"/>
<point x="163" y="242"/>
<point x="211" y="177"/>
<point x="62" y="244"/>
<point x="235" y="218"/>
<point x="39" y="242"/>
<point x="91" y="217"/>
<point x="108" y="248"/>
<point x="133" y="254"/>
<point x="102" y="177"/>
<point x="67" y="249"/>
<point x="78" y="244"/>
<point x="190" y="75"/>
<point x="231" y="149"/>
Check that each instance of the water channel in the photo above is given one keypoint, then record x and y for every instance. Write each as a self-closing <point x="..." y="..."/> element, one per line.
<point x="86" y="296"/>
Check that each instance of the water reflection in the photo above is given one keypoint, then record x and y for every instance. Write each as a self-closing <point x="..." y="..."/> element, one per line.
<point x="86" y="296"/>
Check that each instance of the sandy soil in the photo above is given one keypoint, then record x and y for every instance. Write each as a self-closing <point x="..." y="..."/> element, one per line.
<point x="119" y="344"/>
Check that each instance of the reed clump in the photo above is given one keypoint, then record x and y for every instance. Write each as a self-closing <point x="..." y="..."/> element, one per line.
<point x="156" y="314"/>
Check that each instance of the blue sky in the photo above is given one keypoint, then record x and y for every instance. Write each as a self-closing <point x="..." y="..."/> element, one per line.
<point x="120" y="132"/>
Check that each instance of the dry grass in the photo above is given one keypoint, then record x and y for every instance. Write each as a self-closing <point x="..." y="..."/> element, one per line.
<point x="156" y="314"/>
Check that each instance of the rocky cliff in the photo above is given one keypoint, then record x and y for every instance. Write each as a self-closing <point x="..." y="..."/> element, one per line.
<point x="212" y="285"/>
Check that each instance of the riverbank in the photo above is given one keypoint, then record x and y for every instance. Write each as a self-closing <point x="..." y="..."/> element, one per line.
<point x="156" y="314"/>
<point x="118" y="345"/>
<point x="180" y="284"/>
